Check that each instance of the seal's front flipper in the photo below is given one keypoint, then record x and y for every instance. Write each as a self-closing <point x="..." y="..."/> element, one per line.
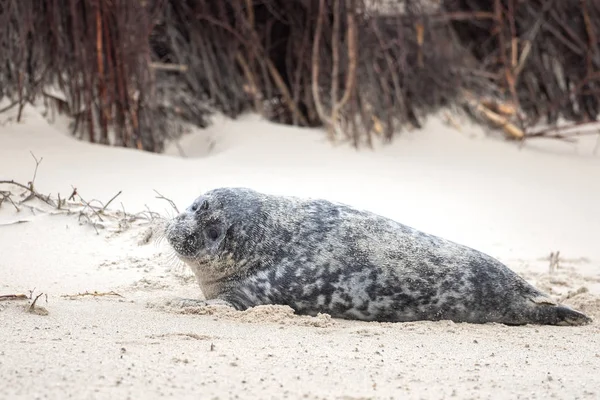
<point x="181" y="302"/>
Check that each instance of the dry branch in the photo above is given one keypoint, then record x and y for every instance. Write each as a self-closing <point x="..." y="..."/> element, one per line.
<point x="37" y="310"/>
<point x="352" y="63"/>
<point x="171" y="202"/>
<point x="86" y="210"/>
<point x="8" y="297"/>
<point x="168" y="67"/>
<point x="111" y="200"/>
<point x="316" y="51"/>
<point x="45" y="199"/>
<point x="92" y="294"/>
<point x="17" y="222"/>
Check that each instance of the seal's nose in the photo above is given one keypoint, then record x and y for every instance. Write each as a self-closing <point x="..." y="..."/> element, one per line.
<point x="186" y="214"/>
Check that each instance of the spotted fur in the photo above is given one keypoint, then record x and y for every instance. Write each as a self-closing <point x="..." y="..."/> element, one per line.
<point x="248" y="248"/>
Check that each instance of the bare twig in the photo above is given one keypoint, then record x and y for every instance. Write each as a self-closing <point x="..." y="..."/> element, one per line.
<point x="253" y="87"/>
<point x="352" y="62"/>
<point x="462" y="16"/>
<point x="530" y="39"/>
<point x="89" y="206"/>
<point x="37" y="164"/>
<point x="45" y="199"/>
<point x="111" y="200"/>
<point x="8" y="196"/>
<point x="31" y="307"/>
<point x="8" y="297"/>
<point x="511" y="130"/>
<point x="564" y="132"/>
<point x="168" y="67"/>
<point x="8" y="107"/>
<point x="554" y="261"/>
<point x="93" y="294"/>
<point x="87" y="217"/>
<point x="285" y="92"/>
<point x="171" y="202"/>
<point x="335" y="61"/>
<point x="315" y="68"/>
<point x="17" y="222"/>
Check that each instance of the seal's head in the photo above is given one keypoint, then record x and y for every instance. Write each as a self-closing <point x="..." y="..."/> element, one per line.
<point x="210" y="228"/>
<point x="197" y="232"/>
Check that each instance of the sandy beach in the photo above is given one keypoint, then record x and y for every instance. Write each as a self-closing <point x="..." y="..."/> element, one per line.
<point x="103" y="326"/>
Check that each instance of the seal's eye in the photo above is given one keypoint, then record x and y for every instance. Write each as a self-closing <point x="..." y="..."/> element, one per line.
<point x="194" y="207"/>
<point x="212" y="233"/>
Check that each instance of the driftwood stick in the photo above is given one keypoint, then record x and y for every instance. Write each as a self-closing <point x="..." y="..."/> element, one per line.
<point x="8" y="297"/>
<point x="45" y="199"/>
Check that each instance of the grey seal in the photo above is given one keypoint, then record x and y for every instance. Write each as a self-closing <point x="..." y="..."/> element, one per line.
<point x="249" y="248"/>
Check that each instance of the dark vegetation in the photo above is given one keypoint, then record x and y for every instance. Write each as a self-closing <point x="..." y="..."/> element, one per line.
<point x="133" y="71"/>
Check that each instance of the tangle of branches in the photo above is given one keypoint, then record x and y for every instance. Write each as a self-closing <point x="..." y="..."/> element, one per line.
<point x="362" y="69"/>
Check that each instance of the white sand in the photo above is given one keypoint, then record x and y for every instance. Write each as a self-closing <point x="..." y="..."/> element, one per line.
<point x="515" y="204"/>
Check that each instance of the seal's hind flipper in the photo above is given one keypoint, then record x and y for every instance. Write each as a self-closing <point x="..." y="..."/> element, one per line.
<point x="568" y="316"/>
<point x="559" y="315"/>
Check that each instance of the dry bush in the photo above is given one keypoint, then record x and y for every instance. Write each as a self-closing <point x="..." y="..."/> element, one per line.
<point x="96" y="52"/>
<point x="132" y="70"/>
<point x="541" y="55"/>
<point x="313" y="62"/>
